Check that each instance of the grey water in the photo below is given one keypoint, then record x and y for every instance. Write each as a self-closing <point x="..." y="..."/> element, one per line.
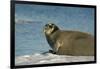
<point x="29" y="39"/>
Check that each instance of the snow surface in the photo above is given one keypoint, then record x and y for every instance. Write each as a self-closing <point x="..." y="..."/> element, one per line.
<point x="49" y="58"/>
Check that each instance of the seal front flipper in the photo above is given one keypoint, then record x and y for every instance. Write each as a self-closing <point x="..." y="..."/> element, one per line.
<point x="51" y="51"/>
<point x="45" y="52"/>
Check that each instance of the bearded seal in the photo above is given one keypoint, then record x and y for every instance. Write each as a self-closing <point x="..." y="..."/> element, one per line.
<point x="73" y="43"/>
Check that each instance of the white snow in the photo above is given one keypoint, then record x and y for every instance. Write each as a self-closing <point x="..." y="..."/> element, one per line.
<point x="49" y="58"/>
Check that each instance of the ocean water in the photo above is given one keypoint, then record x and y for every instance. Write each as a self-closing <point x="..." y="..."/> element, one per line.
<point x="29" y="39"/>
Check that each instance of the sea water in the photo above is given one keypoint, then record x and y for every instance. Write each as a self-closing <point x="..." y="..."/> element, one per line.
<point x="29" y="39"/>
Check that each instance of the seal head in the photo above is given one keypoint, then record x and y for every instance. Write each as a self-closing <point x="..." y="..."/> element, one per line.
<point x="50" y="28"/>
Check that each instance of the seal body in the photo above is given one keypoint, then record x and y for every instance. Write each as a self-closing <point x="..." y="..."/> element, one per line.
<point x="73" y="43"/>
